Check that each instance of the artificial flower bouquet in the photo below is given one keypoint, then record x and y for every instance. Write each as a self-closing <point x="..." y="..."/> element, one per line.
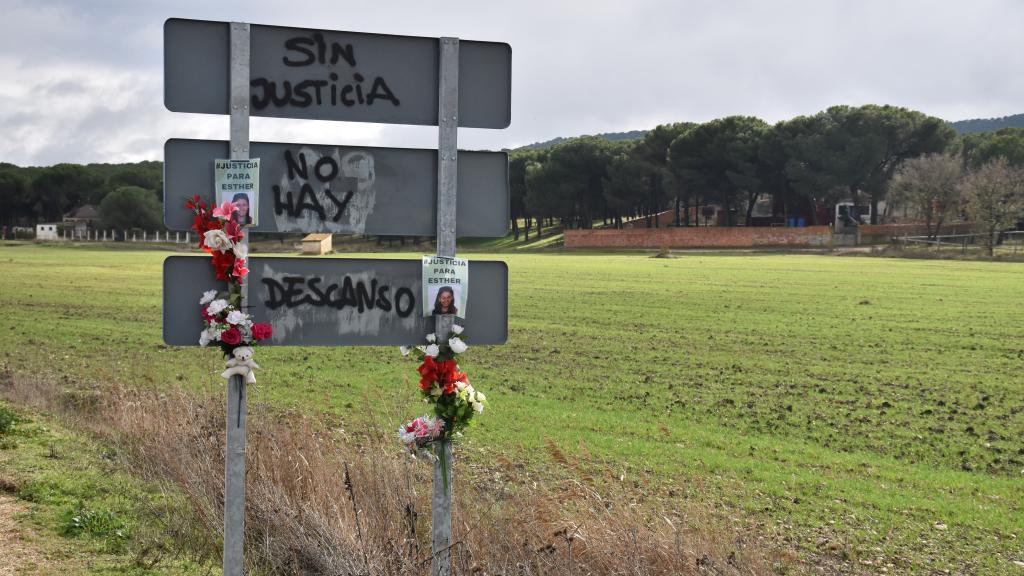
<point x="444" y="386"/>
<point x="224" y="322"/>
<point x="221" y="237"/>
<point x="419" y="435"/>
<point x="227" y="326"/>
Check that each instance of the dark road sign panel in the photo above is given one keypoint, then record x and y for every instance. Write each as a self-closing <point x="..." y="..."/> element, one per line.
<point x="334" y="301"/>
<point x="333" y="75"/>
<point x="345" y="189"/>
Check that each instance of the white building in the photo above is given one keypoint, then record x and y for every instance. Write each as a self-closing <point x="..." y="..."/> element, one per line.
<point x="47" y="232"/>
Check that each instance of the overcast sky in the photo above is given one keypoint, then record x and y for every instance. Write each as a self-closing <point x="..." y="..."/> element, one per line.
<point x="81" y="80"/>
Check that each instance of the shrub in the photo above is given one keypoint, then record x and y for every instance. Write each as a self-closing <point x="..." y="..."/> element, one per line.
<point x="7" y="419"/>
<point x="103" y="524"/>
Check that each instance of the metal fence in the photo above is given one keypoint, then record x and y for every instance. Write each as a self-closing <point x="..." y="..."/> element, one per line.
<point x="90" y="235"/>
<point x="1011" y="243"/>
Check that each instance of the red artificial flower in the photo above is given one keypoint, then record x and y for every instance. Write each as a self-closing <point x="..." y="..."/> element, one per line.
<point x="225" y="210"/>
<point x="223" y="264"/>
<point x="429" y="372"/>
<point x="206" y="314"/>
<point x="428" y="367"/>
<point x="444" y="373"/>
<point x="262" y="331"/>
<point x="231" y="336"/>
<point x="234" y="231"/>
<point x="239" y="270"/>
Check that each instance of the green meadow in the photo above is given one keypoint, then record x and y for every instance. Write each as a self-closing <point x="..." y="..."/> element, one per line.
<point x="867" y="412"/>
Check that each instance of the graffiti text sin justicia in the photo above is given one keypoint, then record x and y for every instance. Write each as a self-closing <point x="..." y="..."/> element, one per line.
<point x="333" y="90"/>
<point x="295" y="291"/>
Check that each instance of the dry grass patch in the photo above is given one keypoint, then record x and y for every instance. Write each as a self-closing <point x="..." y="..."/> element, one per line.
<point x="324" y="501"/>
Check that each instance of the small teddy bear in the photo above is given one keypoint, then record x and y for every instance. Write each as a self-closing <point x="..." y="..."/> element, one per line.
<point x="242" y="364"/>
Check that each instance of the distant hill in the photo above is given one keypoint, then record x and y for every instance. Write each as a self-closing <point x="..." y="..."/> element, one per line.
<point x="611" y="136"/>
<point x="988" y="124"/>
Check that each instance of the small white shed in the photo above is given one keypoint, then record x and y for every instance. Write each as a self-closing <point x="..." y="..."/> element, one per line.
<point x="47" y="231"/>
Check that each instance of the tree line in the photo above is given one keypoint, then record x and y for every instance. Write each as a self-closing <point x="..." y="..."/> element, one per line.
<point x="127" y="195"/>
<point x="804" y="166"/>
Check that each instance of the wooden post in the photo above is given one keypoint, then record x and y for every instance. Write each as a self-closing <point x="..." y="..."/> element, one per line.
<point x="447" y="177"/>
<point x="234" y="457"/>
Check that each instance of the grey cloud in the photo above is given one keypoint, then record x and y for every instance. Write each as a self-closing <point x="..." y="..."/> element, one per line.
<point x="578" y="67"/>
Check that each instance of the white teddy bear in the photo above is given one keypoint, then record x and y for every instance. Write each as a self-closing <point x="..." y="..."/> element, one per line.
<point x="242" y="364"/>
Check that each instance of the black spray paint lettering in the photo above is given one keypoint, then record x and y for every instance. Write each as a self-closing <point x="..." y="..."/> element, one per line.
<point x="309" y="50"/>
<point x="325" y="169"/>
<point x="304" y="45"/>
<point x="304" y="94"/>
<point x="307" y="202"/>
<point x="294" y="291"/>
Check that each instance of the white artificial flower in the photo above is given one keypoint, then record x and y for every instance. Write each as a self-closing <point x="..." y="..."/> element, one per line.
<point x="457" y="345"/>
<point x="405" y="350"/>
<point x="241" y="251"/>
<point x="461" y="385"/>
<point x="406" y="437"/>
<point x="217" y="240"/>
<point x="478" y="407"/>
<point x="456" y="328"/>
<point x="431" y="337"/>
<point x="433" y="351"/>
<point x="216" y="307"/>
<point x="211" y="334"/>
<point x="236" y="317"/>
<point x="208" y="297"/>
<point x="480" y="397"/>
<point x="422" y="349"/>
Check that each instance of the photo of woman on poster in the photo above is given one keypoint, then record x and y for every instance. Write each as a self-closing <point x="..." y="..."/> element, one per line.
<point x="242" y="216"/>
<point x="445" y="283"/>
<point x="444" y="302"/>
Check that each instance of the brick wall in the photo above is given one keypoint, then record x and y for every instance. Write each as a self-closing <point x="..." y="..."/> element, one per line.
<point x="703" y="237"/>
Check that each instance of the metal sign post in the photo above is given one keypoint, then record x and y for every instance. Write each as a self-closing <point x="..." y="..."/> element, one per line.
<point x="447" y="172"/>
<point x="234" y="454"/>
<point x="282" y="72"/>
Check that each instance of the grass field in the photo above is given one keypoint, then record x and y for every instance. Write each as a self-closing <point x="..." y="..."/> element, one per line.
<point x="78" y="512"/>
<point x="865" y="411"/>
